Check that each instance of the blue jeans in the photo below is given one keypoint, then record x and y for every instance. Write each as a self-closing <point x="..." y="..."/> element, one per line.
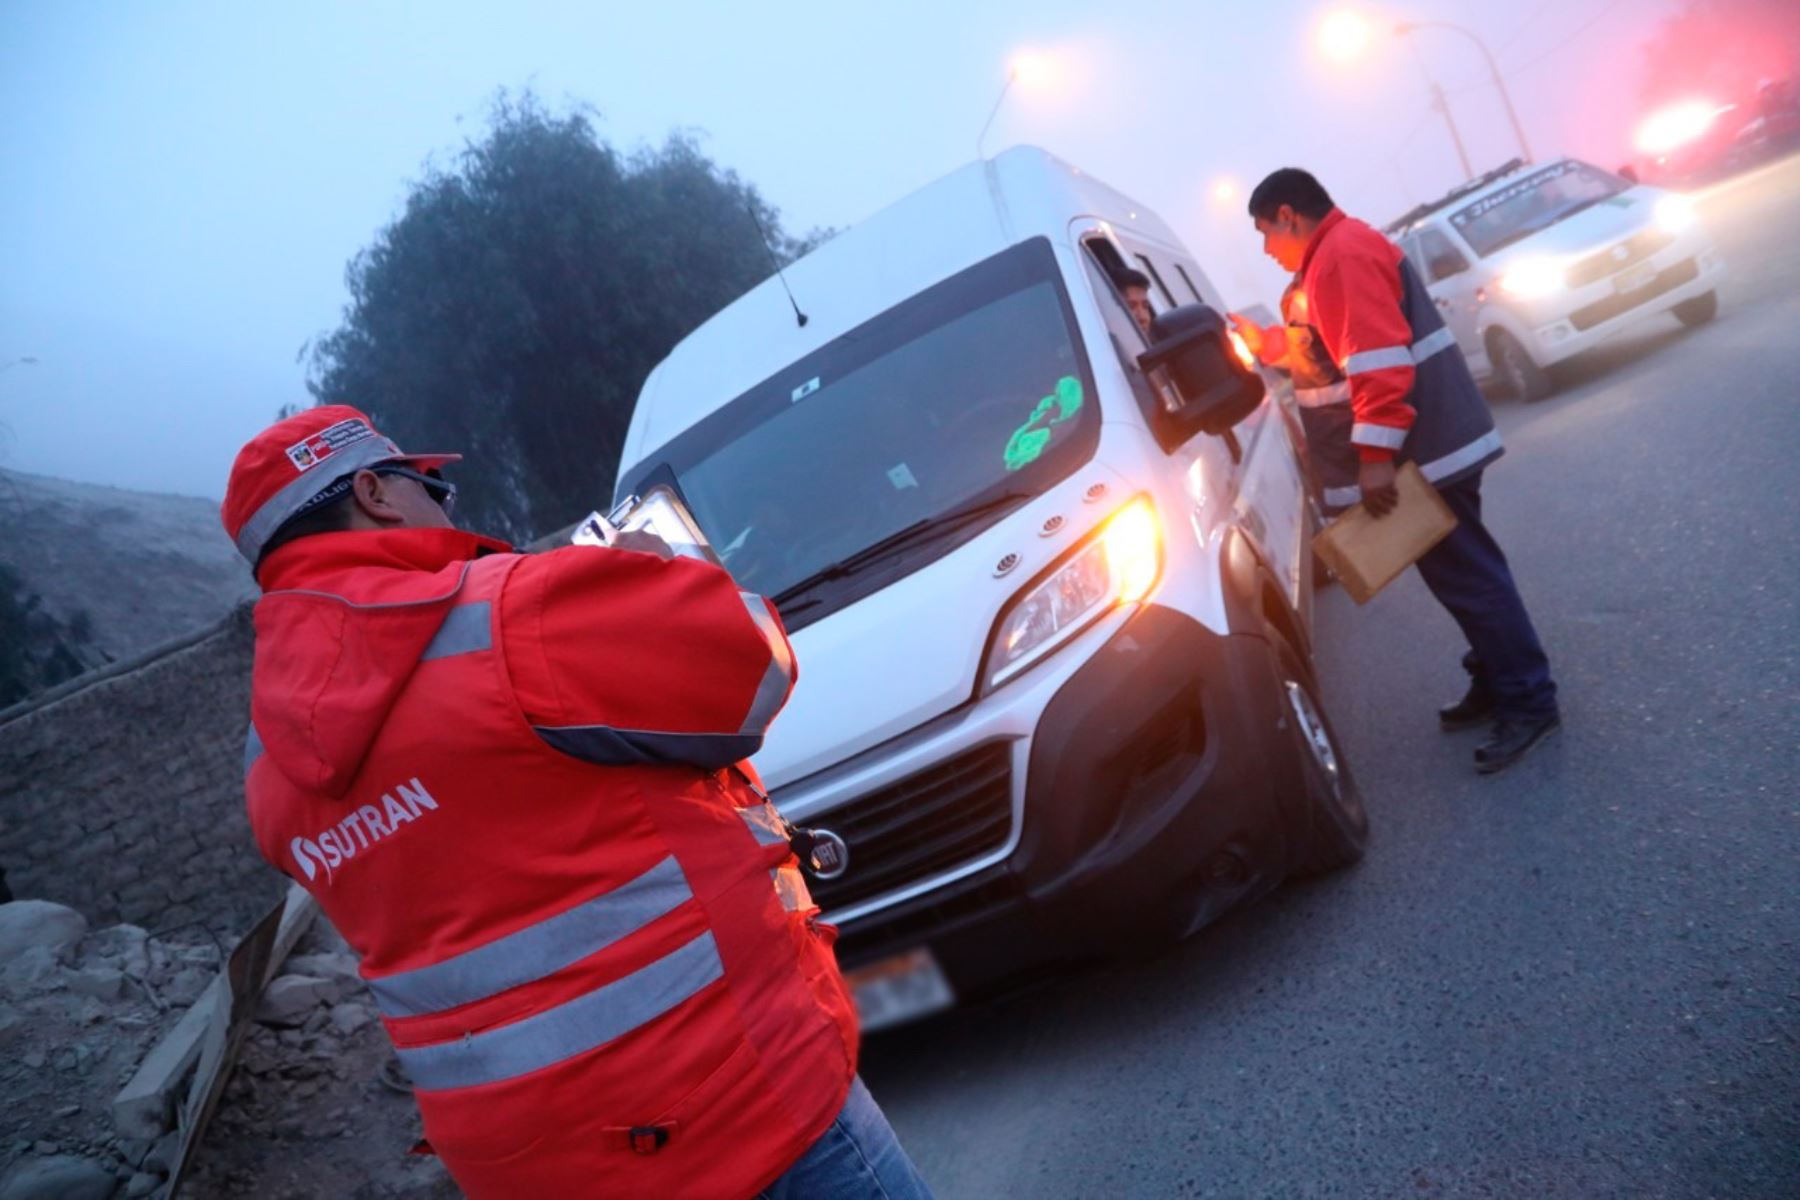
<point x="1468" y="574"/>
<point x="859" y="1156"/>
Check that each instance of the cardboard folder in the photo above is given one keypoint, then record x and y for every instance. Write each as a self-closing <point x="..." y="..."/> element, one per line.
<point x="1367" y="552"/>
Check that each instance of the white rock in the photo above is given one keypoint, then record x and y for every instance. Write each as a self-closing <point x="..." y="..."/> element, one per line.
<point x="340" y="969"/>
<point x="58" y="1177"/>
<point x="32" y="969"/>
<point x="289" y="1000"/>
<point x="346" y="1019"/>
<point x="123" y="946"/>
<point x="102" y="983"/>
<point x="27" y="923"/>
<point x="184" y="987"/>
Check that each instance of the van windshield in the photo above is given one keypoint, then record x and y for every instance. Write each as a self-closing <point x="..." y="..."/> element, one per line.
<point x="1533" y="203"/>
<point x="897" y="441"/>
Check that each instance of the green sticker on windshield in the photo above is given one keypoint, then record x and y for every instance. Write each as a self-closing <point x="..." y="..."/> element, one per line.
<point x="1029" y="440"/>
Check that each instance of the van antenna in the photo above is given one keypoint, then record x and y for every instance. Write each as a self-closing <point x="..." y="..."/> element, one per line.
<point x="774" y="262"/>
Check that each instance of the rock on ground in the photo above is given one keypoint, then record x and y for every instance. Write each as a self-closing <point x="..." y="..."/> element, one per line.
<point x="28" y="923"/>
<point x="58" y="1177"/>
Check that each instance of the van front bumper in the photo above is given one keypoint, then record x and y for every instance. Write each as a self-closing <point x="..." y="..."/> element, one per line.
<point x="1164" y="787"/>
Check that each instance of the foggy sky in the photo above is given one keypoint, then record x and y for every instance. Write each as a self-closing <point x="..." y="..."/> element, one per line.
<point x="185" y="183"/>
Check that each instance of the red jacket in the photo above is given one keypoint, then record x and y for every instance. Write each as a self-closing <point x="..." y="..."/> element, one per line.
<point x="1411" y="394"/>
<point x="509" y="781"/>
<point x="1351" y="277"/>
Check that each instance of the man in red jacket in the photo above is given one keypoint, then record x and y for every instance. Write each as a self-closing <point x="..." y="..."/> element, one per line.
<point x="516" y="784"/>
<point x="1410" y="397"/>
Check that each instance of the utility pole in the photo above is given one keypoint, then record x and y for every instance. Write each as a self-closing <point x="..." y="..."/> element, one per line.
<point x="1512" y="114"/>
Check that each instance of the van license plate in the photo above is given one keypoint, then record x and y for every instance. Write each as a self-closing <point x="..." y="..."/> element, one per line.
<point x="898" y="989"/>
<point x="1635" y="278"/>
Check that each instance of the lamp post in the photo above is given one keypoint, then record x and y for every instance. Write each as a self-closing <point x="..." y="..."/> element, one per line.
<point x="1344" y="35"/>
<point x="1012" y="77"/>
<point x="1407" y="27"/>
<point x="1027" y="67"/>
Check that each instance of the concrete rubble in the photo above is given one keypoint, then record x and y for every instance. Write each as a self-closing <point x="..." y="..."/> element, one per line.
<point x="303" y="1114"/>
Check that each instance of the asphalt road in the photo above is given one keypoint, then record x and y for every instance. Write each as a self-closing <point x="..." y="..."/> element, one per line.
<point x="1576" y="979"/>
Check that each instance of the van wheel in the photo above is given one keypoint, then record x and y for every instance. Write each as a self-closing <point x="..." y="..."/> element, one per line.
<point x="1340" y="824"/>
<point x="1699" y="310"/>
<point x="1514" y="370"/>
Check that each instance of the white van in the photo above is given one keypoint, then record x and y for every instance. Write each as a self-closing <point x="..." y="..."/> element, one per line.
<point x="1055" y="691"/>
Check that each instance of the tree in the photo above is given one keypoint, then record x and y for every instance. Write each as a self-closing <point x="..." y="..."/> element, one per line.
<point x="517" y="304"/>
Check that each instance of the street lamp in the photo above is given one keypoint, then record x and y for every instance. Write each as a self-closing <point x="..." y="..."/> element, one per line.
<point x="1345" y="34"/>
<point x="1029" y="68"/>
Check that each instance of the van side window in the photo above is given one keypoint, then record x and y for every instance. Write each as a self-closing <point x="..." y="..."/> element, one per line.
<point x="1157" y="279"/>
<point x="1188" y="279"/>
<point x="1101" y="260"/>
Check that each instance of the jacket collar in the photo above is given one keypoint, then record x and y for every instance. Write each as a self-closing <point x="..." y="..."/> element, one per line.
<point x="1332" y="220"/>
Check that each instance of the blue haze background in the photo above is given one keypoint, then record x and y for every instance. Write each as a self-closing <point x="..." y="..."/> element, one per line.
<point x="184" y="183"/>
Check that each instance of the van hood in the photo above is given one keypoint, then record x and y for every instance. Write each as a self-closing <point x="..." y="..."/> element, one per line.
<point x="1592" y="228"/>
<point x="910" y="652"/>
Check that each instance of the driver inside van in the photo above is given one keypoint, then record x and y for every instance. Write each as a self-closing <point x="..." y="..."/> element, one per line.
<point x="1134" y="288"/>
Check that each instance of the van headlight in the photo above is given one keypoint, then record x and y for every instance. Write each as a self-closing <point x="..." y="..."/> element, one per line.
<point x="1117" y="564"/>
<point x="1675" y="214"/>
<point x="1532" y="278"/>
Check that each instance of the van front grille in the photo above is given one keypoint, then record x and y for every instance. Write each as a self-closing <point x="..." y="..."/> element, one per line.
<point x="922" y="825"/>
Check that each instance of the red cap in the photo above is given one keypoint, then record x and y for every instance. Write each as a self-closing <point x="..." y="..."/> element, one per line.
<point x="282" y="468"/>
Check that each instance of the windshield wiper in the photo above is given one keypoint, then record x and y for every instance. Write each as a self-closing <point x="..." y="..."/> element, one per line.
<point x="910" y="535"/>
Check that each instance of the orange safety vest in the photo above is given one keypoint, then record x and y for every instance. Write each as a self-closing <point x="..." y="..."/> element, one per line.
<point x="597" y="961"/>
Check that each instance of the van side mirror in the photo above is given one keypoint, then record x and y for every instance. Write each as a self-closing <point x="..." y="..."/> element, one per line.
<point x="1215" y="389"/>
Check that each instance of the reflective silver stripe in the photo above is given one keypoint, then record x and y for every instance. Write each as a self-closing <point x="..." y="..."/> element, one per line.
<point x="790" y="886"/>
<point x="766" y="825"/>
<point x="773" y="688"/>
<point x="582" y="1024"/>
<point x="1319" y="397"/>
<point x="253" y="747"/>
<point x="609" y="747"/>
<point x="537" y="950"/>
<point x="279" y="507"/>
<point x="1432" y="343"/>
<point x="1376" y="360"/>
<point x="464" y="631"/>
<point x="1342" y="497"/>
<point x="1377" y="435"/>
<point x="1468" y="456"/>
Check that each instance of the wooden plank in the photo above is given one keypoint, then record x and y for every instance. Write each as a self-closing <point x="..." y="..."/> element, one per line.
<point x="145" y="1106"/>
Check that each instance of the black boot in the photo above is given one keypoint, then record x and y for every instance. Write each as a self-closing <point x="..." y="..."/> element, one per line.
<point x="1512" y="740"/>
<point x="1476" y="706"/>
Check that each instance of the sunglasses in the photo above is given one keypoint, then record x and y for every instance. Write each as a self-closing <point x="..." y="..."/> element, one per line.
<point x="441" y="490"/>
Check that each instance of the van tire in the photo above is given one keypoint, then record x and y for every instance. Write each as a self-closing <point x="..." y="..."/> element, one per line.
<point x="1339" y="824"/>
<point x="1516" y="373"/>
<point x="1697" y="311"/>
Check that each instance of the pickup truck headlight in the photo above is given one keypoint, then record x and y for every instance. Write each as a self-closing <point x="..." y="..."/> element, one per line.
<point x="1117" y="564"/>
<point x="1532" y="278"/>
<point x="1675" y="213"/>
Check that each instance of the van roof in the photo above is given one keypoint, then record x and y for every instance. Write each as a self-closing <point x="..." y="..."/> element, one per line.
<point x="944" y="227"/>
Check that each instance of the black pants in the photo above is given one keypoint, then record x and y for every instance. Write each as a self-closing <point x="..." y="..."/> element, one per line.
<point x="1467" y="572"/>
